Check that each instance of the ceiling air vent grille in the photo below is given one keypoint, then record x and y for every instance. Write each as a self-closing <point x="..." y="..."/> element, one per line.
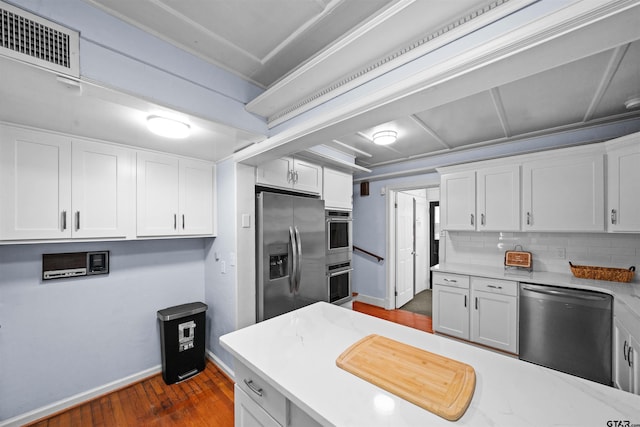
<point x="32" y="39"/>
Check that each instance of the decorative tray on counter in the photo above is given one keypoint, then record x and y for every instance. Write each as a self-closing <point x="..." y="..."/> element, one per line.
<point x="603" y="273"/>
<point x="436" y="383"/>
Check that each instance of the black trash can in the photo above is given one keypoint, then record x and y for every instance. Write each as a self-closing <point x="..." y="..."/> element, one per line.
<point x="182" y="335"/>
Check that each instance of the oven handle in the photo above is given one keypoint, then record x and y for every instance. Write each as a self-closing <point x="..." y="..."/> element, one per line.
<point x="339" y="220"/>
<point x="338" y="273"/>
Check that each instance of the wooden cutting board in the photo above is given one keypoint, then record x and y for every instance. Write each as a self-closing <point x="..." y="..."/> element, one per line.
<point x="436" y="383"/>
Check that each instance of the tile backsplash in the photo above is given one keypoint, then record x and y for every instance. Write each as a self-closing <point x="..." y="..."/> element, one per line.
<point x="551" y="251"/>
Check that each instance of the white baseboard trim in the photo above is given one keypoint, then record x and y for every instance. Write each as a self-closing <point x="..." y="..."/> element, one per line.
<point x="219" y="363"/>
<point x="63" y="404"/>
<point x="378" y="302"/>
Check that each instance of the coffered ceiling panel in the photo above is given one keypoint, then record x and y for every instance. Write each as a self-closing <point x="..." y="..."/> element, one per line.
<point x="624" y="84"/>
<point x="466" y="121"/>
<point x="553" y="98"/>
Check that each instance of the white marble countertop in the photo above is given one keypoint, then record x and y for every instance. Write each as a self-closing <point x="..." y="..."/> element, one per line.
<point x="623" y="293"/>
<point x="296" y="353"/>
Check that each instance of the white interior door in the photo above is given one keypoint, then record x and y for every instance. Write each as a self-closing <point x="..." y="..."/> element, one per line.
<point x="404" y="248"/>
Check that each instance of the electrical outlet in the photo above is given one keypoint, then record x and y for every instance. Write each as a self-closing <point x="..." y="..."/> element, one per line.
<point x="560" y="253"/>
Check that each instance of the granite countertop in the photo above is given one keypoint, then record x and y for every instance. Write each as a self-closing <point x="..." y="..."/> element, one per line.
<point x="627" y="294"/>
<point x="296" y="353"/>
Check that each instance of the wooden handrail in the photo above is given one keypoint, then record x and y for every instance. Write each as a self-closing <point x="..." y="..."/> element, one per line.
<point x="378" y="257"/>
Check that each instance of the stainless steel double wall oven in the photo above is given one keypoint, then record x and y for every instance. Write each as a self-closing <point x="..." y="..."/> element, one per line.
<point x="338" y="256"/>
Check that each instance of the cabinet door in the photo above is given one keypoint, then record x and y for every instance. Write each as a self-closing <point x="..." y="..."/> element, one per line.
<point x="458" y="201"/>
<point x="277" y="173"/>
<point x="564" y="194"/>
<point x="196" y="197"/>
<point x="338" y="189"/>
<point x="451" y="311"/>
<point x="248" y="413"/>
<point x="621" y="370"/>
<point x="35" y="185"/>
<point x="308" y="177"/>
<point x="494" y="320"/>
<point x="102" y="181"/>
<point x="158" y="195"/>
<point x="622" y="194"/>
<point x="635" y="364"/>
<point x="498" y="199"/>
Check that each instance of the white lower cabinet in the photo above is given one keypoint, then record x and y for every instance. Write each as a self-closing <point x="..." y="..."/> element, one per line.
<point x="494" y="313"/>
<point x="249" y="413"/>
<point x="258" y="403"/>
<point x="451" y="304"/>
<point x="626" y="352"/>
<point x="478" y="309"/>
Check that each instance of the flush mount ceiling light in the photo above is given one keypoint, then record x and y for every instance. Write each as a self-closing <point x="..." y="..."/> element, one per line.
<point x="632" y="103"/>
<point x="168" y="128"/>
<point x="385" y="137"/>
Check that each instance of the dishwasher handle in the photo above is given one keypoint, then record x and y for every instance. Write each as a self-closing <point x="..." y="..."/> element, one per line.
<point x="566" y="293"/>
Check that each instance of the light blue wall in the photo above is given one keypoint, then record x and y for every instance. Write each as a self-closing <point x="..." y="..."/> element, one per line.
<point x="370" y="233"/>
<point x="62" y="337"/>
<point x="220" y="288"/>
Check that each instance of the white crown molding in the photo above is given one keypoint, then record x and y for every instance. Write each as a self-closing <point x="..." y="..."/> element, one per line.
<point x="277" y="103"/>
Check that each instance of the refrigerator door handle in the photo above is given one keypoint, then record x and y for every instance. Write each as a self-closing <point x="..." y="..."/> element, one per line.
<point x="294" y="264"/>
<point x="299" y="264"/>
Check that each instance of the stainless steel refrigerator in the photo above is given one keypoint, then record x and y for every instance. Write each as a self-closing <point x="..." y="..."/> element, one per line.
<point x="290" y="253"/>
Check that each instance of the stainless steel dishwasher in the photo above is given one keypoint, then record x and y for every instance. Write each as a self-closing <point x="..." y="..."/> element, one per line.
<point x="567" y="329"/>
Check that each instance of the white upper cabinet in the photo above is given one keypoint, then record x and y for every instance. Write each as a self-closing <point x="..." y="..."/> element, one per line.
<point x="53" y="187"/>
<point x="623" y="172"/>
<point x="290" y="173"/>
<point x="564" y="193"/>
<point x="175" y="196"/>
<point x="338" y="189"/>
<point x="458" y="201"/>
<point x="484" y="199"/>
<point x="498" y="198"/>
<point x="102" y="189"/>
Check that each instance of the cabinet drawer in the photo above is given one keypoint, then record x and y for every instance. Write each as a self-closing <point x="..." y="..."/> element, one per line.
<point x="496" y="286"/>
<point x="261" y="392"/>
<point x="447" y="279"/>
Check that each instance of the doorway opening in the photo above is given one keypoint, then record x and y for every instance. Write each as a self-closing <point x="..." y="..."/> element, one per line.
<point x="412" y="233"/>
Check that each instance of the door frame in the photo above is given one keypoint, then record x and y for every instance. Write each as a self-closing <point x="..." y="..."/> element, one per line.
<point x="390" y="195"/>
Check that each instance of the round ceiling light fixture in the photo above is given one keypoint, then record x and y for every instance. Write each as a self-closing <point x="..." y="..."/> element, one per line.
<point x="385" y="137"/>
<point x="168" y="128"/>
<point x="632" y="103"/>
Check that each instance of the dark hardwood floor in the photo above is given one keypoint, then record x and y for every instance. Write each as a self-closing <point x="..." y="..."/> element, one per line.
<point x="204" y="400"/>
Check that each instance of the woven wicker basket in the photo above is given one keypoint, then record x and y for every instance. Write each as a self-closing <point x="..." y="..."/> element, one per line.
<point x="603" y="273"/>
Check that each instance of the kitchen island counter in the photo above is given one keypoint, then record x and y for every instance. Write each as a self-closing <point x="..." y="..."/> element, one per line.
<point x="296" y="354"/>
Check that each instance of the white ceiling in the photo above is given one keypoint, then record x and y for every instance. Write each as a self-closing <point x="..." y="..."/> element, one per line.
<point x="298" y="48"/>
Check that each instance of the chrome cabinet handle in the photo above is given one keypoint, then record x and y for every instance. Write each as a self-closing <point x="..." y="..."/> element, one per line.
<point x="528" y="218"/>
<point x="295" y="179"/>
<point x="175" y="221"/>
<point x="465" y="300"/>
<point x="624" y="350"/>
<point x="289" y="175"/>
<point x="451" y="280"/>
<point x="183" y="221"/>
<point x="494" y="287"/>
<point x="614" y="216"/>
<point x="64" y="220"/>
<point x="476" y="303"/>
<point x="472" y="219"/>
<point x="481" y="219"/>
<point x="257" y="390"/>
<point x="77" y="220"/>
<point x="630" y="357"/>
